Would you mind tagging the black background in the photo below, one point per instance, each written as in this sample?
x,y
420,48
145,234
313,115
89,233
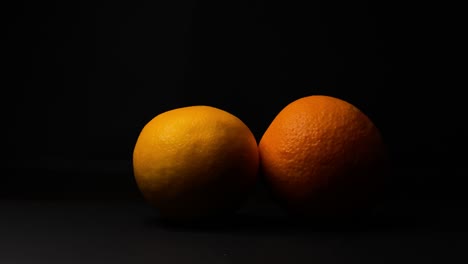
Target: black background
x,y
83,78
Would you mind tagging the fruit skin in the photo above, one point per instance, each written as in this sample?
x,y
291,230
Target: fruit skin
x,y
195,162
323,157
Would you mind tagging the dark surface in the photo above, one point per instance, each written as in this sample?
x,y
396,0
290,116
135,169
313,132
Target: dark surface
x,y
123,231
73,226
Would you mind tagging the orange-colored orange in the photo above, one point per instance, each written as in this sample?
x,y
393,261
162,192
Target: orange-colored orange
x,y
322,156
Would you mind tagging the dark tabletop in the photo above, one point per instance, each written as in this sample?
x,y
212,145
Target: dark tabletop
x,y
129,231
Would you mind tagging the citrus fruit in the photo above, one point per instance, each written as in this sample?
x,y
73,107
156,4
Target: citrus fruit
x,y
321,156
194,162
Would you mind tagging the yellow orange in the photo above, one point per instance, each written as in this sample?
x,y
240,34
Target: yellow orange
x,y
195,161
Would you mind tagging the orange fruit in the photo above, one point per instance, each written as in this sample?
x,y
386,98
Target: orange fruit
x,y
194,162
321,156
